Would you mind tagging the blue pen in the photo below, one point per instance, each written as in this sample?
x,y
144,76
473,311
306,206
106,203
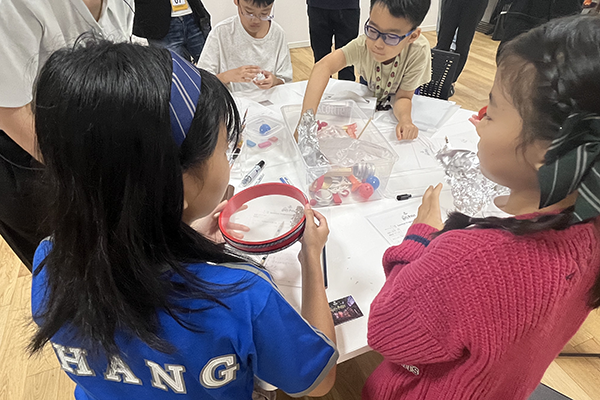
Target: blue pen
x,y
284,179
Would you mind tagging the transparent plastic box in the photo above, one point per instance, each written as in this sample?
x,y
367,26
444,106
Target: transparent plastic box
x,y
347,181
262,133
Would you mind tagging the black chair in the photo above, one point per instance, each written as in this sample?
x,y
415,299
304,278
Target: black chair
x,y
443,70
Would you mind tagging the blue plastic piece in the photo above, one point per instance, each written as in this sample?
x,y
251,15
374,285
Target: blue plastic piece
x,y
264,128
373,181
250,143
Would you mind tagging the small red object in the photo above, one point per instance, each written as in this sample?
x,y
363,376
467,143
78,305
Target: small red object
x,y
482,112
365,190
337,199
351,130
313,202
321,125
355,183
317,184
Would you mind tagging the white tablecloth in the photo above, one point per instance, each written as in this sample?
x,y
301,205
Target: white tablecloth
x,y
355,247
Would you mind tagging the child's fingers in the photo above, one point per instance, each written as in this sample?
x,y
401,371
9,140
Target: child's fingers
x,y
310,216
435,196
237,235
237,227
322,220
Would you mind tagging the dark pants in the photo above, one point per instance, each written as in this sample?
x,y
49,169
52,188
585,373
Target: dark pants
x,y
184,38
463,15
324,24
21,207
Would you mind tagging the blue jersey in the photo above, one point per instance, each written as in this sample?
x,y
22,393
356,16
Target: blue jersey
x,y
259,335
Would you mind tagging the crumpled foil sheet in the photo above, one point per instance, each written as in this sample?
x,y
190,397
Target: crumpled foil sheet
x,y
471,190
308,143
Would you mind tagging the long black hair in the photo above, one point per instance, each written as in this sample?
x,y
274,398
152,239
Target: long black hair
x,y
114,175
549,73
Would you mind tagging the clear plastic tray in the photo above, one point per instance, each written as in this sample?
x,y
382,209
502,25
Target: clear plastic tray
x,y
341,183
262,134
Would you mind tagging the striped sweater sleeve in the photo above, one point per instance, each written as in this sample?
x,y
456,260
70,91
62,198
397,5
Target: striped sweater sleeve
x,y
413,320
416,240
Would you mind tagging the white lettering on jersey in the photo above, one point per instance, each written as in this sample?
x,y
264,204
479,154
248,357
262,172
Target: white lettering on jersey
x,y
411,368
118,368
73,355
173,378
208,376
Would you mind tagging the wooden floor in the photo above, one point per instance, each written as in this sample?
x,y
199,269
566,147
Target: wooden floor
x,y
41,379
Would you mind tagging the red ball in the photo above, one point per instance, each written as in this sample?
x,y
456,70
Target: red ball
x,y
365,190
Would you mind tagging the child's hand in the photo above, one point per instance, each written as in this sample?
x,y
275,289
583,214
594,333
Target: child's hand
x,y
209,226
315,236
429,210
268,82
242,74
406,131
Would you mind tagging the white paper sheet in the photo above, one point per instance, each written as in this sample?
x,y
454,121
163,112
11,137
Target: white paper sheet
x,y
392,224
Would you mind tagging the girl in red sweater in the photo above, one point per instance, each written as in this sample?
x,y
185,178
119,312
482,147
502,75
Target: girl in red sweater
x,y
477,308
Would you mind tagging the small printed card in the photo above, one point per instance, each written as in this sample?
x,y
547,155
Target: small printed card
x,y
344,310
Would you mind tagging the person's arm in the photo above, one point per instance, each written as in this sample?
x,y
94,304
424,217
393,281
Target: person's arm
x,y
18,124
319,77
315,306
405,130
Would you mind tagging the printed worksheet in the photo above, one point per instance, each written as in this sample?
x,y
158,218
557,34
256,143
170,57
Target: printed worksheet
x,y
392,224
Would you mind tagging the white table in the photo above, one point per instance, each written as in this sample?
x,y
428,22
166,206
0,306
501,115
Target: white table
x,y
355,247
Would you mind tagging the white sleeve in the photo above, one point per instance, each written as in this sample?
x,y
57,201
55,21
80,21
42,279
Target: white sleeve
x,y
210,58
21,34
284,61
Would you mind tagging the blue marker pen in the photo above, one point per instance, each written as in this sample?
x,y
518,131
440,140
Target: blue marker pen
x,y
284,179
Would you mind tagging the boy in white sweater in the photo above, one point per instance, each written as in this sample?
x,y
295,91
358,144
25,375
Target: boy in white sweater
x,y
248,50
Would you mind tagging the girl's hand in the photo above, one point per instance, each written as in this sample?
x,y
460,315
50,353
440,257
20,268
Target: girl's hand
x,y
209,226
315,236
429,210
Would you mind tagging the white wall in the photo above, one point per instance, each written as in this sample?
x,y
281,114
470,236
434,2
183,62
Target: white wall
x,y
291,15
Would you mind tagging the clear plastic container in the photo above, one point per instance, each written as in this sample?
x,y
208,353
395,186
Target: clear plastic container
x,y
354,179
262,134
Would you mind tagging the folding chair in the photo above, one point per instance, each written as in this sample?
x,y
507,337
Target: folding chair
x,y
443,69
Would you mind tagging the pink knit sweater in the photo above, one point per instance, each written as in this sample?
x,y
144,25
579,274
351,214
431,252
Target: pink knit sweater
x,y
478,313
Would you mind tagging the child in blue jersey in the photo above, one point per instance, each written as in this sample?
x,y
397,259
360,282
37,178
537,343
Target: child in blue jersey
x,y
135,303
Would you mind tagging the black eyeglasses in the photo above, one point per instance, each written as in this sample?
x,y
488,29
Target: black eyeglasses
x,y
388,38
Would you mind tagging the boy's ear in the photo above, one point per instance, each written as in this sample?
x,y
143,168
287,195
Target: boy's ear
x,y
413,36
236,3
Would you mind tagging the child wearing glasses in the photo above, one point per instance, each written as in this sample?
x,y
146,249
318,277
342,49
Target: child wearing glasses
x,y
392,58
248,50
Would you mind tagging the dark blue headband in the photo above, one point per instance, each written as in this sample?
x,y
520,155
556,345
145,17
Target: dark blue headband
x,y
185,92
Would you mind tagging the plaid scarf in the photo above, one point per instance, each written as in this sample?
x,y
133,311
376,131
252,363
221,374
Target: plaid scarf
x,y
573,163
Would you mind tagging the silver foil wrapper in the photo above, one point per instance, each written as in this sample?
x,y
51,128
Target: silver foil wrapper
x,y
308,143
471,190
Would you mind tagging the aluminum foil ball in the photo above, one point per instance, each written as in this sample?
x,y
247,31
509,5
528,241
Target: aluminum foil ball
x,y
471,190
